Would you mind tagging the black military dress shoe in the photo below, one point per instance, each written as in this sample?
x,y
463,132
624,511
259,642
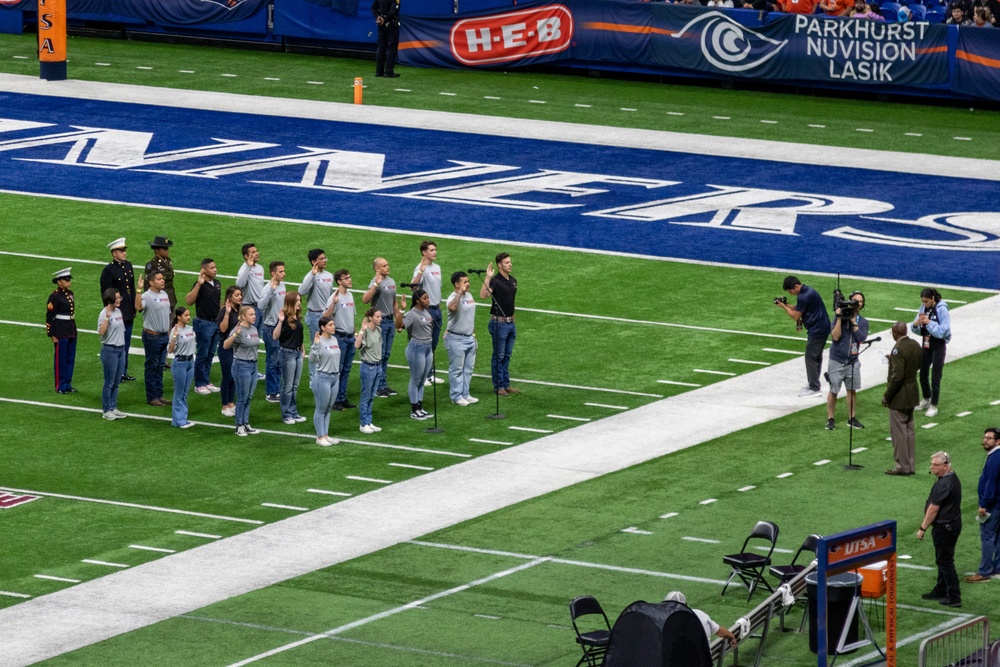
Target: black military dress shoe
x,y
128,378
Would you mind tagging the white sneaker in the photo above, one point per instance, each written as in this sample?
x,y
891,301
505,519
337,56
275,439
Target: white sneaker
x,y
288,420
119,414
241,431
323,441
427,382
367,429
374,428
299,419
924,404
932,411
437,380
187,424
228,412
110,415
470,399
204,391
809,393
212,388
250,430
461,402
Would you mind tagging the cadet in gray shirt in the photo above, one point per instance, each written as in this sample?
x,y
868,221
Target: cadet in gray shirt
x,y
420,326
341,308
382,294
183,345
111,327
324,357
154,304
460,340
244,342
272,298
315,291
369,344
427,274
250,277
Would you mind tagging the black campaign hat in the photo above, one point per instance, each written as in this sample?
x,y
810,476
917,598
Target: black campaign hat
x,y
161,242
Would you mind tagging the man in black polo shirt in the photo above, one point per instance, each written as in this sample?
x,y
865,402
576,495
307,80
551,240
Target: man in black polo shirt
x,y
943,511
502,287
205,296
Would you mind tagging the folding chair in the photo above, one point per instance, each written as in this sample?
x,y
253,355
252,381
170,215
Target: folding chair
x,y
749,566
786,573
593,642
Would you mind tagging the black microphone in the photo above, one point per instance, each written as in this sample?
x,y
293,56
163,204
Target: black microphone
x,y
873,340
476,271
409,284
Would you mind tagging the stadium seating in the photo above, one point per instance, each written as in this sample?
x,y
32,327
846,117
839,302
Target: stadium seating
x,y
919,12
935,16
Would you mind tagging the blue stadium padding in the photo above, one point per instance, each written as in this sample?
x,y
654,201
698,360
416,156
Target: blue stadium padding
x,y
11,21
310,21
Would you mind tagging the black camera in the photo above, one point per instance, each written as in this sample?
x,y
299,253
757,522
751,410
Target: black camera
x,y
780,299
847,308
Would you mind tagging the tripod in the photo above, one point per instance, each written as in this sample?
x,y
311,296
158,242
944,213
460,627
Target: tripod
x,y
434,394
850,436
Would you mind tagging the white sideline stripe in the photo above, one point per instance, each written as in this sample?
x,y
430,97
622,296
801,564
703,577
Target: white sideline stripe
x,y
529,429
750,487
668,515
574,419
821,462
726,373
410,465
229,427
475,550
369,479
929,425
583,106
50,577
858,450
709,501
700,539
784,475
922,568
105,563
994,402
748,361
776,550
487,617
635,530
122,504
907,310
679,384
489,97
15,595
875,319
279,506
774,349
390,612
208,536
491,442
329,493
963,414
609,407
907,640
161,550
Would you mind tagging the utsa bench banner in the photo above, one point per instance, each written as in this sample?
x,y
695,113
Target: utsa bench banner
x,y
696,39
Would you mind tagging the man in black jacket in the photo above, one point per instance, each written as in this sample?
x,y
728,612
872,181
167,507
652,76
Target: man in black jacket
x,y
386,13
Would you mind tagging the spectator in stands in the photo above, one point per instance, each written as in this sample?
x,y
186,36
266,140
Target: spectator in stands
x,y
958,16
720,3
992,5
863,11
982,17
797,6
711,627
836,7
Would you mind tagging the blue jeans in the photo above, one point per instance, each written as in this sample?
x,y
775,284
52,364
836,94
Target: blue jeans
x,y
347,349
324,386
418,356
65,359
989,535
245,376
435,313
370,374
227,388
312,324
156,359
503,335
388,328
128,343
113,361
461,360
291,373
183,374
272,365
207,338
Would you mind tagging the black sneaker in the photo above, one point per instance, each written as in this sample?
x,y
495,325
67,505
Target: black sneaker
x,y
854,423
382,393
951,602
348,405
273,398
933,595
128,378
389,391
831,424
338,406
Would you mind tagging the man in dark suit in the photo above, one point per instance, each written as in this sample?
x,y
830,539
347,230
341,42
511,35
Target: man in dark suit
x,y
901,396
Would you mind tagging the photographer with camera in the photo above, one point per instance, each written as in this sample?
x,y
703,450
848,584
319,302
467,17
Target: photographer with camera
x,y
809,311
849,331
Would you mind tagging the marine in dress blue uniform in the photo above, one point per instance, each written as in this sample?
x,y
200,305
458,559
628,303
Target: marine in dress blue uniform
x,y
60,326
120,275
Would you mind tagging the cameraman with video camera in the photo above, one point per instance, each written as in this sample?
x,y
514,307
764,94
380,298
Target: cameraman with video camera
x,y
809,311
849,331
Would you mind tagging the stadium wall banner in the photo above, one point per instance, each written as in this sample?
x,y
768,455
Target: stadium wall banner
x,y
789,47
173,12
977,63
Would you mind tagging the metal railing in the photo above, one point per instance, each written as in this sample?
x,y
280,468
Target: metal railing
x,y
965,645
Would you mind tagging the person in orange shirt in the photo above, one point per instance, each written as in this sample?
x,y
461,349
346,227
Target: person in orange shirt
x,y
836,7
797,6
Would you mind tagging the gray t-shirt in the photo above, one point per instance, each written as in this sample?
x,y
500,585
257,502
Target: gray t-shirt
x,y
385,294
115,334
271,301
316,290
246,344
184,346
430,282
250,280
463,319
156,311
419,324
325,355
370,349
344,313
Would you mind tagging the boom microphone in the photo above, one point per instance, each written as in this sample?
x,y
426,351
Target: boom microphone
x,y
873,340
475,271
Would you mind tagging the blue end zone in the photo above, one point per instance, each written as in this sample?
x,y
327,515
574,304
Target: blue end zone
x,y
929,229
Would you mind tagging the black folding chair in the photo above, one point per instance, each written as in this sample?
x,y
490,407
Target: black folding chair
x,y
593,642
750,566
786,573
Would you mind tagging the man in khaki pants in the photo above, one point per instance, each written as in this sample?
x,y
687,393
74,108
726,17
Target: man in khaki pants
x,y
901,396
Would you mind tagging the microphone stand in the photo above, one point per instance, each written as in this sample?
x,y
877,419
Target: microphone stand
x,y
496,391
850,436
434,390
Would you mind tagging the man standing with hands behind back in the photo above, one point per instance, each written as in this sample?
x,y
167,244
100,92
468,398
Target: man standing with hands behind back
x,y
386,13
988,514
901,396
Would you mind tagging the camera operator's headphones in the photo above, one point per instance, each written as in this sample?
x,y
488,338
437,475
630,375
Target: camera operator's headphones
x,y
855,293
